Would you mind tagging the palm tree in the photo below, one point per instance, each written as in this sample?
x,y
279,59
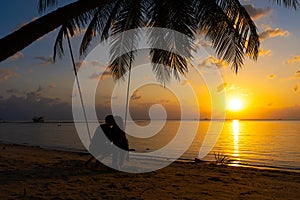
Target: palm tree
x,y
225,23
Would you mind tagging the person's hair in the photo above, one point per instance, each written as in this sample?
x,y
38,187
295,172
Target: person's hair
x,y
109,119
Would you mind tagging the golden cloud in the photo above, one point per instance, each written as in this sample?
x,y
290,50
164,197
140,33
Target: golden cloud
x,y
297,74
44,61
6,74
294,59
17,56
102,75
271,33
211,60
263,52
272,76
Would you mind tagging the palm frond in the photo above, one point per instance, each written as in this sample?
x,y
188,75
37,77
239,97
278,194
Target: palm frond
x,y
58,45
122,50
100,24
176,16
288,3
229,27
72,27
44,4
104,33
120,65
167,64
90,33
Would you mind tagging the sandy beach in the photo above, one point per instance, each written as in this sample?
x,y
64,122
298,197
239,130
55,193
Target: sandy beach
x,y
36,173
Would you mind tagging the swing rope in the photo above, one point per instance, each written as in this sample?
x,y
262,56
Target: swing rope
x,y
80,93
78,85
127,95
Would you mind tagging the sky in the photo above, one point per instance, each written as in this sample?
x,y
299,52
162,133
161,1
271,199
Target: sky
x,y
269,88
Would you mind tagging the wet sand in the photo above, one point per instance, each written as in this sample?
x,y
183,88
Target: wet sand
x,y
35,173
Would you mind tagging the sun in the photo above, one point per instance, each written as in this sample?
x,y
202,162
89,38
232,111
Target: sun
x,y
235,104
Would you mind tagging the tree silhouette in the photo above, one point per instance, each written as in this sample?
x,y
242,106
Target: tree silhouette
x,y
225,23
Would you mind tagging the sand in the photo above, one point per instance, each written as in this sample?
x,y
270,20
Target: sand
x,y
36,173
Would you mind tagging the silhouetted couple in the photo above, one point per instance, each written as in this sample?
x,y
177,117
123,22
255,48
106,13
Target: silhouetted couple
x,y
108,139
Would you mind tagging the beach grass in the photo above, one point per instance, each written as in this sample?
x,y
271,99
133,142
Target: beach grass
x,y
221,159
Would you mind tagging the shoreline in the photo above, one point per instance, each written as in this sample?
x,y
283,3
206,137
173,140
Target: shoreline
x,y
37,173
185,160
201,119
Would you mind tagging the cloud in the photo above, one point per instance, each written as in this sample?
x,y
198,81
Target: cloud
x,y
203,42
295,59
229,87
95,76
96,63
262,52
222,87
6,74
46,89
17,56
292,112
44,60
105,75
271,33
34,104
297,74
272,76
211,60
81,63
102,75
14,91
136,95
257,13
38,92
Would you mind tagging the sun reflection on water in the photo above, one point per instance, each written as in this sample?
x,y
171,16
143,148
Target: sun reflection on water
x,y
236,132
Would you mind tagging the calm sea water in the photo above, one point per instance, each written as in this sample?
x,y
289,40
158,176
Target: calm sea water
x,y
254,143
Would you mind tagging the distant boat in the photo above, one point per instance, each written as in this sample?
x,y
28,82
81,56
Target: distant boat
x,y
38,119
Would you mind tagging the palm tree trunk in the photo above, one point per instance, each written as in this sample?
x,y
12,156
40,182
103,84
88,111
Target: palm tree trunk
x,y
21,38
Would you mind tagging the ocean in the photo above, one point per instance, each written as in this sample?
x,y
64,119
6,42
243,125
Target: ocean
x,y
259,143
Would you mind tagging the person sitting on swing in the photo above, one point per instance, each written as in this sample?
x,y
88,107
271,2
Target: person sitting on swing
x,y
100,145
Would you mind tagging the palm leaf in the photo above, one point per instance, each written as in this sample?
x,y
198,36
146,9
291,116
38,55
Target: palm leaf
x,y
122,50
44,4
288,3
176,16
230,29
225,23
100,24
72,27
